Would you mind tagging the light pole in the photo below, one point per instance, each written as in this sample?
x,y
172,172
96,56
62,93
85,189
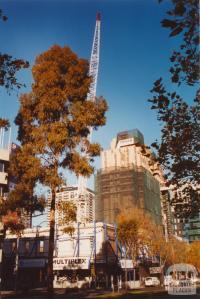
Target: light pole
x,y
2,237
38,226
17,262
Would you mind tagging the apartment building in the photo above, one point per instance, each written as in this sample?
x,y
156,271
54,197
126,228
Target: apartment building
x,y
4,162
85,204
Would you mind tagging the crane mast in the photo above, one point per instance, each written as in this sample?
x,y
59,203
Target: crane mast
x,y
93,73
94,60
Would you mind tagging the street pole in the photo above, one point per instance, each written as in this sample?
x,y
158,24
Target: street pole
x,y
125,270
1,251
17,263
2,238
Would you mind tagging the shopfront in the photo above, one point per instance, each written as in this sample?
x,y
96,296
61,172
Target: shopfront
x,y
32,273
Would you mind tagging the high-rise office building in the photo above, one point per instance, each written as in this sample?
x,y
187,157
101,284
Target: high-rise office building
x,y
129,177
191,230
185,226
84,204
167,211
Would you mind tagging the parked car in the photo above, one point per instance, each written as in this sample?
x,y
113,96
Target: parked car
x,y
195,280
151,281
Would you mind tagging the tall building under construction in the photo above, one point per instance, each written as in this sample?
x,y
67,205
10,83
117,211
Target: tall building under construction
x,y
129,177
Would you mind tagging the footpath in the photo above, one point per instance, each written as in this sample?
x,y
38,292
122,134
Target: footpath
x,y
147,293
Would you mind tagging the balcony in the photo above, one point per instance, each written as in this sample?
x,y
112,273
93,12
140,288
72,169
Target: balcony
x,y
3,178
4,154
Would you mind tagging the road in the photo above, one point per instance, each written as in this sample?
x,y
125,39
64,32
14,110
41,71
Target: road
x,y
146,293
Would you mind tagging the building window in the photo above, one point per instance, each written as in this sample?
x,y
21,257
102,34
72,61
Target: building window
x,y
1,166
13,246
41,246
27,246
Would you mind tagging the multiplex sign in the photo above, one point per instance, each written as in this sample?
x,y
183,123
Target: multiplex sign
x,y
71,263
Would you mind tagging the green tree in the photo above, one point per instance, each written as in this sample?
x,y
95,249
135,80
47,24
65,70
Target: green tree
x,y
54,120
183,20
179,149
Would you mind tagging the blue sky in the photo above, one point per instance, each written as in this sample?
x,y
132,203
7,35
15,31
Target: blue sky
x,y
134,52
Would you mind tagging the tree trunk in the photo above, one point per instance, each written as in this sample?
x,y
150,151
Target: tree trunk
x,y
50,275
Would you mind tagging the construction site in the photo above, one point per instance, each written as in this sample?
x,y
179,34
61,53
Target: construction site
x,y
129,177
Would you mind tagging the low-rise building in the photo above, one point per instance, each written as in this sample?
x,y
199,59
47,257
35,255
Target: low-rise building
x,y
88,256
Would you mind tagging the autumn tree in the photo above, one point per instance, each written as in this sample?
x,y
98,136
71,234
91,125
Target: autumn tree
x,y
194,254
142,237
21,199
26,172
138,233
144,240
179,148
20,202
54,121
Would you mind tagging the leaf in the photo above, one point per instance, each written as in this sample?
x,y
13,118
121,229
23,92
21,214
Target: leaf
x,y
176,31
169,23
180,8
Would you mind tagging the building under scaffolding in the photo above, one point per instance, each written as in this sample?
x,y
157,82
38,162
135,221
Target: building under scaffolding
x,y
129,177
